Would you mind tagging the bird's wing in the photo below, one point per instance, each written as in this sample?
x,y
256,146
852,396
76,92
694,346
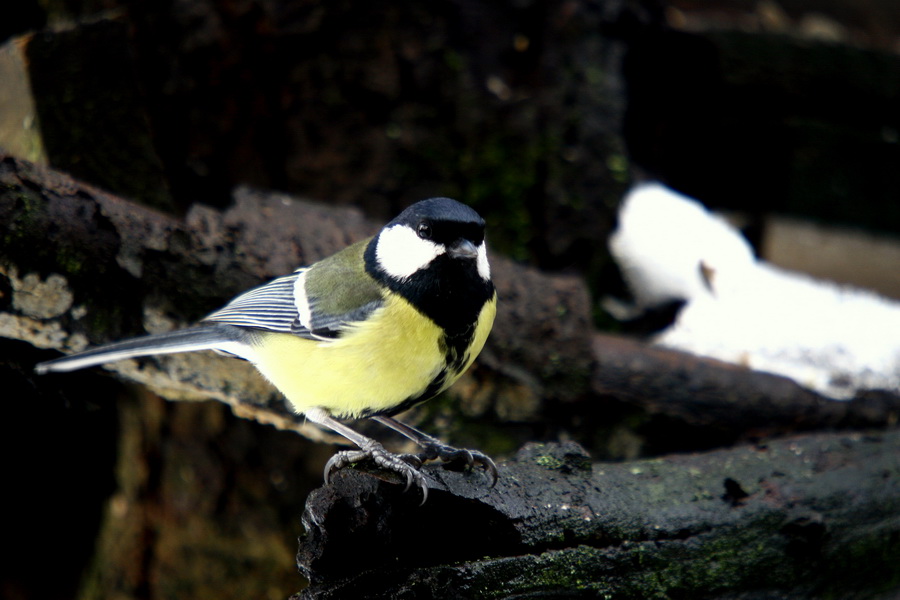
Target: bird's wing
x,y
330,315
315,303
271,306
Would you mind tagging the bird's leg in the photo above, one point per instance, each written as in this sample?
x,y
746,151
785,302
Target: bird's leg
x,y
434,448
368,449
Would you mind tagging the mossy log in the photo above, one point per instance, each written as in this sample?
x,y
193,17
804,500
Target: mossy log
x,y
805,517
81,266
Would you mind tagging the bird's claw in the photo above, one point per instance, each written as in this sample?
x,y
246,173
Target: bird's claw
x,y
414,460
404,465
470,458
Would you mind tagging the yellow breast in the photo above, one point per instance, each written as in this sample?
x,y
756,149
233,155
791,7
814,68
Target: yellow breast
x,y
374,367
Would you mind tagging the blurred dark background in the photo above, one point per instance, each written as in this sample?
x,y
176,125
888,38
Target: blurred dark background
x,y
539,114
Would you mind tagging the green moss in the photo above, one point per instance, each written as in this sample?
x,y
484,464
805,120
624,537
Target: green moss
x,y
568,570
453,60
21,213
709,565
862,561
500,174
70,263
549,462
619,167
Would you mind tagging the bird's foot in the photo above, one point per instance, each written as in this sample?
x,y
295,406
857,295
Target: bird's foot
x,y
448,454
405,465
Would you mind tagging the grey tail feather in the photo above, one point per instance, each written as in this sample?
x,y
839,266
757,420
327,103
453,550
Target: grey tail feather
x,y
204,337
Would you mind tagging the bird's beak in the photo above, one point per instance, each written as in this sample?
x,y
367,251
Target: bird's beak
x,y
462,249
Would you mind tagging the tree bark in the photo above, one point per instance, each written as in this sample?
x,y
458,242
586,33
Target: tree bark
x,y
803,517
83,266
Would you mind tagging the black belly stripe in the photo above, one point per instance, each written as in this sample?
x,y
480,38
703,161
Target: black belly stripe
x,y
452,294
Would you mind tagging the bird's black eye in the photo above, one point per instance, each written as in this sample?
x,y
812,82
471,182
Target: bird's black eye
x,y
424,231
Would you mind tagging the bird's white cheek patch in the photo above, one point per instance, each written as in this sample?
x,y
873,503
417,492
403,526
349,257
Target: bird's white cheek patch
x,y
484,268
401,252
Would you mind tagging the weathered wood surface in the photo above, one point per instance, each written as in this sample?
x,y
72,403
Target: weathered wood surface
x,y
104,268
537,111
804,517
736,401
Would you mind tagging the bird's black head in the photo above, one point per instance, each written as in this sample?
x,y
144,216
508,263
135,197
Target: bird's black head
x,y
434,255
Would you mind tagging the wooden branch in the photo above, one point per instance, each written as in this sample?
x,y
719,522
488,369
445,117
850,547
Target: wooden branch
x,y
105,268
83,267
703,392
812,516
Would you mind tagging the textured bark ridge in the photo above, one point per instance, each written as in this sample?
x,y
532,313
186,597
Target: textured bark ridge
x,y
810,516
104,268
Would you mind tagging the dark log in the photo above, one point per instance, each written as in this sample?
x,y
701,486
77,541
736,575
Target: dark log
x,y
520,108
707,393
167,271
105,268
804,517
800,517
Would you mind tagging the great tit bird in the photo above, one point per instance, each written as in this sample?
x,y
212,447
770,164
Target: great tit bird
x,y
368,332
